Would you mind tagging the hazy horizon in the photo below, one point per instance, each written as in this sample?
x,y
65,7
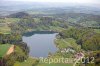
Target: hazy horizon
x,y
54,2
60,1
83,6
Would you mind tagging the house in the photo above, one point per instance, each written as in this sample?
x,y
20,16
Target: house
x,y
69,49
5,50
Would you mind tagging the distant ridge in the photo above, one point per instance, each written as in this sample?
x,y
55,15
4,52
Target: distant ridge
x,y
19,15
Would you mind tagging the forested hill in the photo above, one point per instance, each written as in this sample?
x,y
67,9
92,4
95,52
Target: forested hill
x,y
23,21
18,15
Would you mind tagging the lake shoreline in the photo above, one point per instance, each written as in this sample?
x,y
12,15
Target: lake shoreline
x,y
40,42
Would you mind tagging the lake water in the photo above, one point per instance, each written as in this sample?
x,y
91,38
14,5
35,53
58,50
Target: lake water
x,y
40,43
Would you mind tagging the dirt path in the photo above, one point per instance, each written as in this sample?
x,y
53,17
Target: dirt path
x,y
11,49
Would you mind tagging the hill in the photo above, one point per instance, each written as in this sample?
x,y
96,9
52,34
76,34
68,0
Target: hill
x,y
19,15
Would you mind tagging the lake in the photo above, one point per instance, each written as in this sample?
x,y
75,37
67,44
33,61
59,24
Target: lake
x,y
40,43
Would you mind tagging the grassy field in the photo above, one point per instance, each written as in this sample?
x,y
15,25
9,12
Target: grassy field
x,y
56,28
68,42
5,29
97,30
60,64
3,49
9,20
28,62
4,24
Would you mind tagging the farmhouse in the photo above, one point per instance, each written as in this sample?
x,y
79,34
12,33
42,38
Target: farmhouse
x,y
5,50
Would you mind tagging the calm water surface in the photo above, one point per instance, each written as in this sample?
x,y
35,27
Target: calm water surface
x,y
40,43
